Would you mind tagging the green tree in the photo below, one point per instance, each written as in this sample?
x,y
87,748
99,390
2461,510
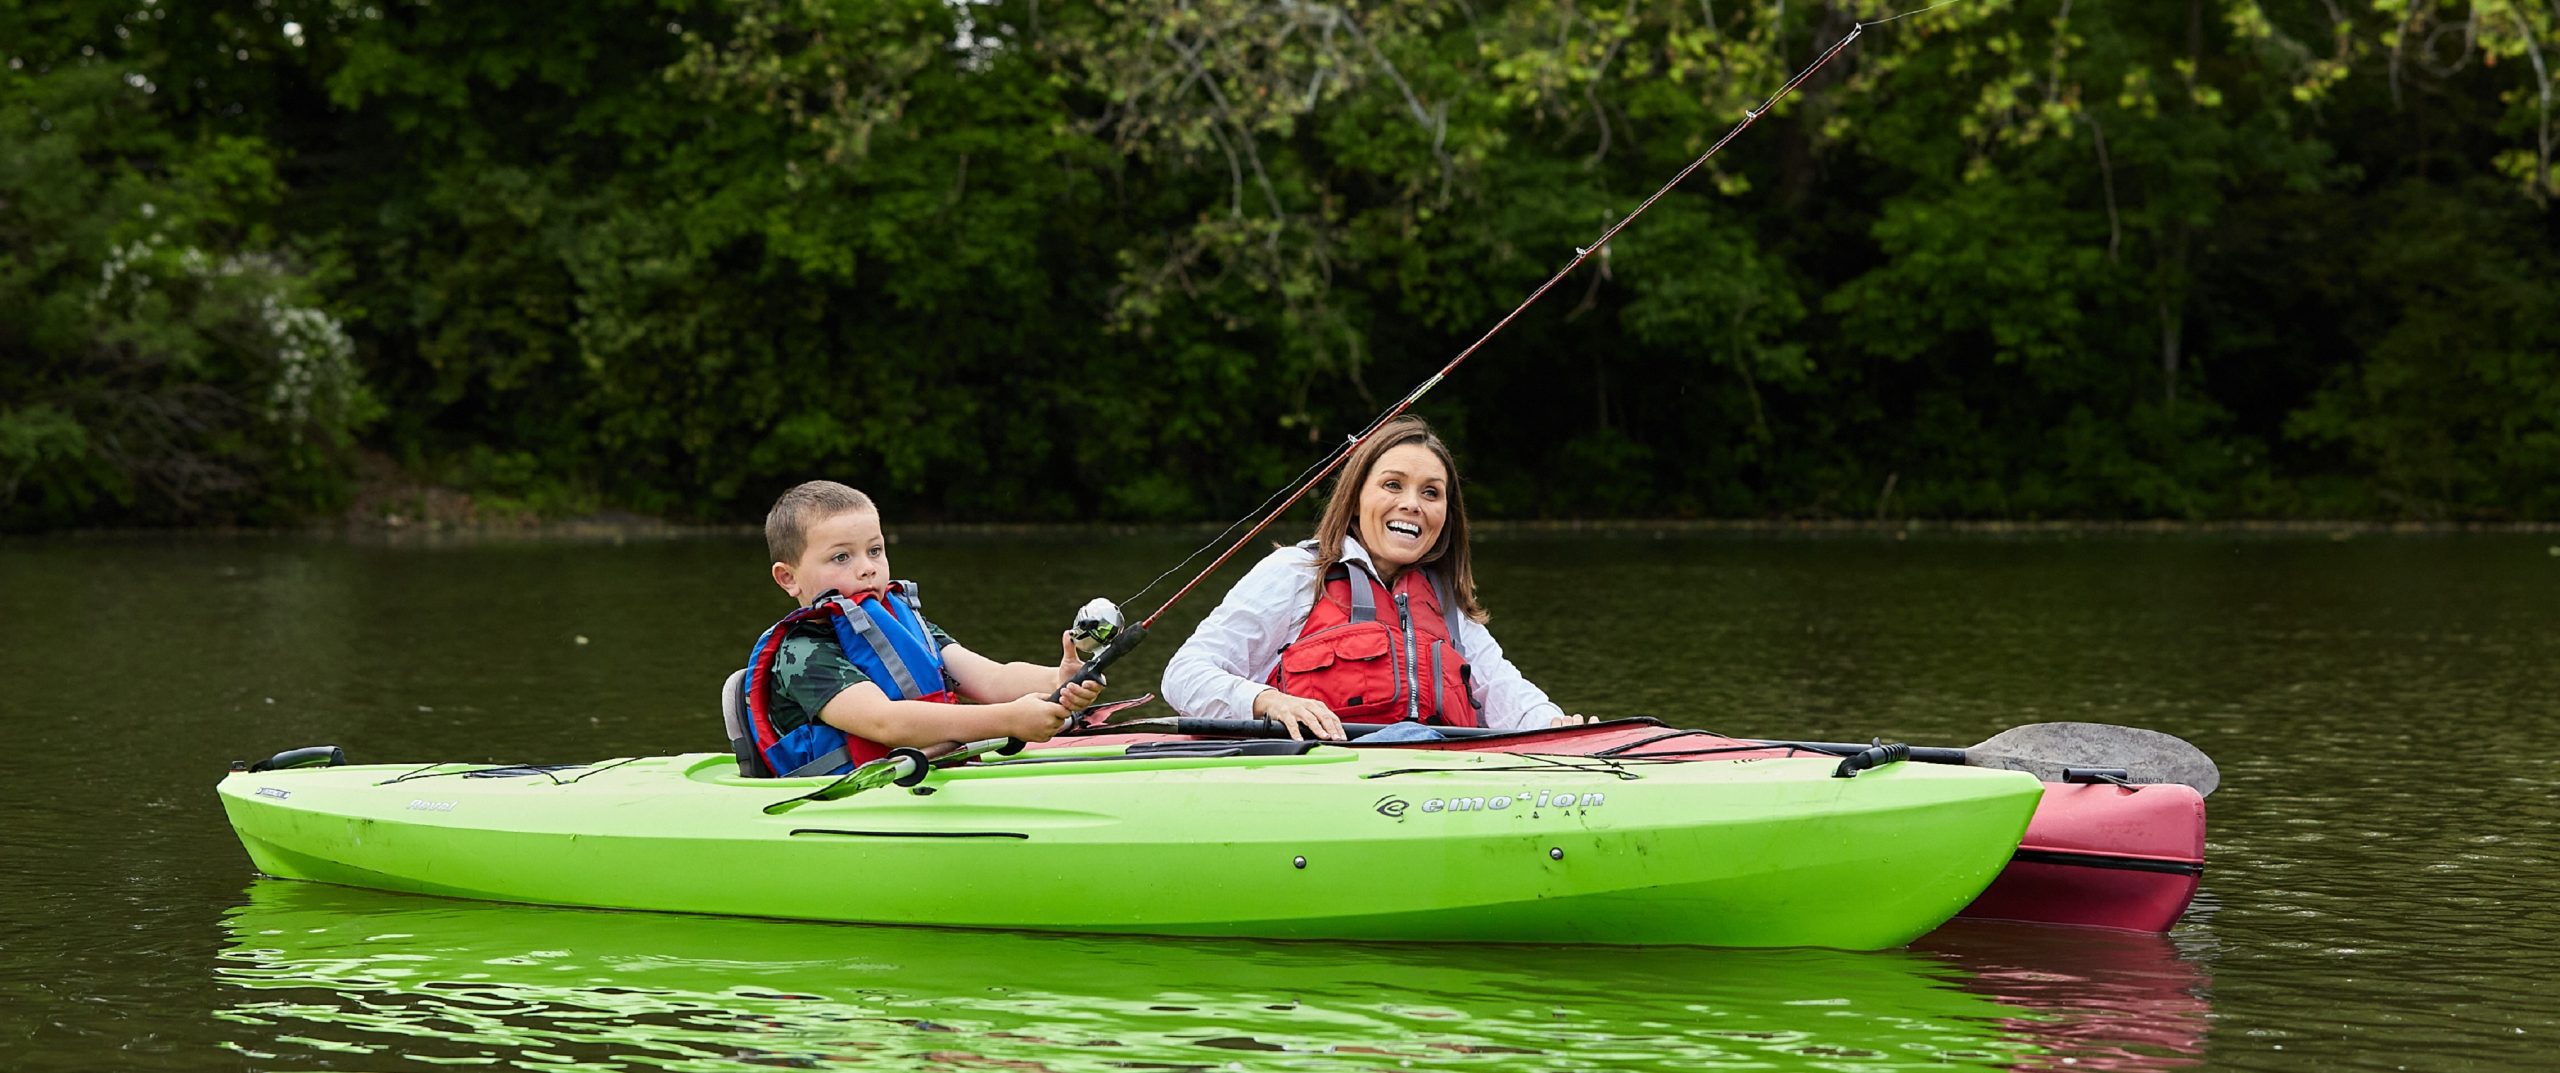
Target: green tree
x,y
164,356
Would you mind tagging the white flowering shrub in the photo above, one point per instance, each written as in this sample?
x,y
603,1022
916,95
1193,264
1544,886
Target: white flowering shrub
x,y
300,352
162,359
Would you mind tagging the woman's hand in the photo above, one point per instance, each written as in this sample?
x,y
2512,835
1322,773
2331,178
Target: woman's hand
x,y
1293,713
1570,720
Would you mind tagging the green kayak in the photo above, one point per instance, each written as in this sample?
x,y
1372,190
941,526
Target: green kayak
x,y
1271,840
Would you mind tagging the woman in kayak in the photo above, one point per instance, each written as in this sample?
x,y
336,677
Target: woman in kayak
x,y
1375,619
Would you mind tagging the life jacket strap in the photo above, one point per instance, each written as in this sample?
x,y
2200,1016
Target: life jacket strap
x,y
1448,609
1435,673
1364,602
1364,598
1449,615
871,635
826,762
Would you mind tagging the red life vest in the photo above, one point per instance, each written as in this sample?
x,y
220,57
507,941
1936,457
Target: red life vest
x,y
1375,653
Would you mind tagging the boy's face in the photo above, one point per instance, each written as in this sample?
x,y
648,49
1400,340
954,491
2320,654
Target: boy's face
x,y
845,553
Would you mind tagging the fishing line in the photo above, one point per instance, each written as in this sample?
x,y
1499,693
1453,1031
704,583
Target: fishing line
x,y
1908,14
1326,461
1121,639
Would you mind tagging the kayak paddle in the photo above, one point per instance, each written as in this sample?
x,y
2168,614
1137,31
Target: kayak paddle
x,y
903,766
1106,712
2052,752
2073,752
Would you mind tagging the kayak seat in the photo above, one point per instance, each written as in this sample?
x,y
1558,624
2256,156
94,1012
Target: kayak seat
x,y
733,716
1275,747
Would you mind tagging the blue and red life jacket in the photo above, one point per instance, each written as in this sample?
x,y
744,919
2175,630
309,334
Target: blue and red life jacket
x,y
885,639
1379,653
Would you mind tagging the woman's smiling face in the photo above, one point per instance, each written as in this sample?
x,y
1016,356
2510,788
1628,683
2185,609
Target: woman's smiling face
x,y
1403,502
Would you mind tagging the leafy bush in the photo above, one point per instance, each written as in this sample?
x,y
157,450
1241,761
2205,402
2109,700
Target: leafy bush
x,y
176,361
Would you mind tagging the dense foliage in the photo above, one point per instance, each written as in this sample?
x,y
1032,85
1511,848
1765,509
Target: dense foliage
x,y
1145,259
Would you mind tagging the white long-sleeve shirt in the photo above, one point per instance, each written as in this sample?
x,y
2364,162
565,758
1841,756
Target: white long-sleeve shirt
x,y
1228,661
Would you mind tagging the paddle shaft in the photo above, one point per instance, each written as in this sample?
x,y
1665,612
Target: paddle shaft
x,y
903,766
1265,728
1927,754
2052,752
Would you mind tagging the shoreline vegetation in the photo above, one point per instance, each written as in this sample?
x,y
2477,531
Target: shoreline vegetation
x,y
478,264
448,516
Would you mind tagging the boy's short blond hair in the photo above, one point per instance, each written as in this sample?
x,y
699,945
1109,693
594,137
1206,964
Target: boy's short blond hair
x,y
786,526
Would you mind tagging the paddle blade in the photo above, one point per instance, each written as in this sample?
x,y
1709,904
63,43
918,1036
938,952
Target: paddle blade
x,y
2146,756
1110,713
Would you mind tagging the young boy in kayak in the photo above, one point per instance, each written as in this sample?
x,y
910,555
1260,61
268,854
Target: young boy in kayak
x,y
857,670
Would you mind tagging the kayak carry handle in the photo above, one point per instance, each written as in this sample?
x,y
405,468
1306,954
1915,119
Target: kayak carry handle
x,y
1876,755
307,756
2115,775
1119,646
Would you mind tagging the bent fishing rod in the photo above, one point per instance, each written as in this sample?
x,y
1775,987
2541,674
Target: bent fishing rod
x,y
1100,631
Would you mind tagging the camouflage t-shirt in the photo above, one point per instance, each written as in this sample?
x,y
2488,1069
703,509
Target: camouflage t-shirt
x,y
810,669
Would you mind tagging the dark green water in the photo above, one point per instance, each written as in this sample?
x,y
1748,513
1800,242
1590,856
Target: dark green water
x,y
2383,891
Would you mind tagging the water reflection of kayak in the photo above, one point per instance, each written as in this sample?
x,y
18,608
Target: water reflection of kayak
x,y
1231,839
323,973
2105,1000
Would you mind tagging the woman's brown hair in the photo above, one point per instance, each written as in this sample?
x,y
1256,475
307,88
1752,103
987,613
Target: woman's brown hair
x,y
1448,555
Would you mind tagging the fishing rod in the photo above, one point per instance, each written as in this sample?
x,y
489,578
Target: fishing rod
x,y
1101,633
